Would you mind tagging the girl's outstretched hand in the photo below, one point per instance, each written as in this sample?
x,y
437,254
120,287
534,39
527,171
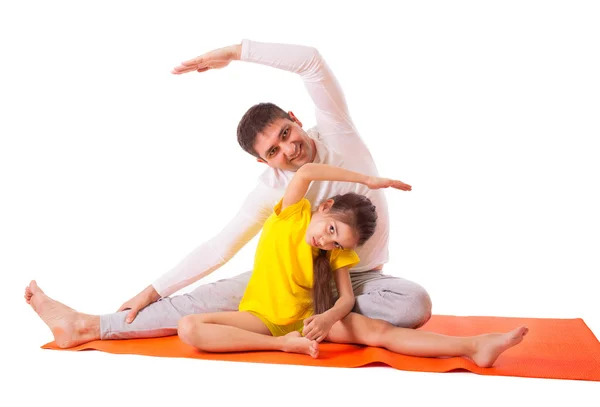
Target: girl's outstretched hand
x,y
377,183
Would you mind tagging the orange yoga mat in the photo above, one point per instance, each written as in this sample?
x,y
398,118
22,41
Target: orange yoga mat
x,y
554,348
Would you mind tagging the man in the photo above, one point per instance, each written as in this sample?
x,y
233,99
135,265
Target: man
x,y
275,138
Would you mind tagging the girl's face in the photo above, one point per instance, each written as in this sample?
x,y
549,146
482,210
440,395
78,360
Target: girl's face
x,y
326,232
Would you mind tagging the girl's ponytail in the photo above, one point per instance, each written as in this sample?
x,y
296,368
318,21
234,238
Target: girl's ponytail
x,y
322,294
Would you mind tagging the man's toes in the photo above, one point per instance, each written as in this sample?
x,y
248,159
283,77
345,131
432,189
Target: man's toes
x,y
27,295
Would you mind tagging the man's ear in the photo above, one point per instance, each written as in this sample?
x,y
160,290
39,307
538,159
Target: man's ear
x,y
260,160
326,206
294,118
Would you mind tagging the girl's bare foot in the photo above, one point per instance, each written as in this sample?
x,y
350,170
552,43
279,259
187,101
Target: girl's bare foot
x,y
488,347
296,343
69,327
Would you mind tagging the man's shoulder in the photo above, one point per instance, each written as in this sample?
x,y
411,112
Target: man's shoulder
x,y
313,132
346,144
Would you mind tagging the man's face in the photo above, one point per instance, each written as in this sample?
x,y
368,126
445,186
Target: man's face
x,y
284,145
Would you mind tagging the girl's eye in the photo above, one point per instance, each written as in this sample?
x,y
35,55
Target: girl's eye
x,y
337,246
331,229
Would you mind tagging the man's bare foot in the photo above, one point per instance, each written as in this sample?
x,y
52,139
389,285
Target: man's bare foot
x,y
69,327
488,347
296,343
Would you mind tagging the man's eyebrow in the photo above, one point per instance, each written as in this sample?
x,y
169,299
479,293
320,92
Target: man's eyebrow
x,y
279,137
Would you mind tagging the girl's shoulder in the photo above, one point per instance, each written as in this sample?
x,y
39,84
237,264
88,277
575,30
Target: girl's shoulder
x,y
300,209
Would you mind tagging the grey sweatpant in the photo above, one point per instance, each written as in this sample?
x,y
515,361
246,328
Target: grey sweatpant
x,y
393,299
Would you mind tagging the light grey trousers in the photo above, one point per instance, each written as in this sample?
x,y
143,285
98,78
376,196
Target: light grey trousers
x,y
396,300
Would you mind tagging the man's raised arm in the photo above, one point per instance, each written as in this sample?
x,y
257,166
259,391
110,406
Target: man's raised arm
x,y
331,109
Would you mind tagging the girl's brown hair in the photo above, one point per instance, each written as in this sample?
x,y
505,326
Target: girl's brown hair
x,y
358,212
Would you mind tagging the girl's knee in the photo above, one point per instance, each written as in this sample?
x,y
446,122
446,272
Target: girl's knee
x,y
376,333
188,328
185,328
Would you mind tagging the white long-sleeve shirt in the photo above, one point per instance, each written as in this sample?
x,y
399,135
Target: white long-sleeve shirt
x,y
337,143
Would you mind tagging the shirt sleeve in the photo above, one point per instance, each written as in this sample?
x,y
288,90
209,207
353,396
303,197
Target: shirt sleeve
x,y
343,258
212,254
295,211
331,110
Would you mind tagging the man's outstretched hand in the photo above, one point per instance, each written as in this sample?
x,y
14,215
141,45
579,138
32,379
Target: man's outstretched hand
x,y
216,59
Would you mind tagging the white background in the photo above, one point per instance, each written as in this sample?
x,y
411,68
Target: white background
x,y
113,169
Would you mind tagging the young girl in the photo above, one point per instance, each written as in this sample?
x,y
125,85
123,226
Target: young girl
x,y
288,304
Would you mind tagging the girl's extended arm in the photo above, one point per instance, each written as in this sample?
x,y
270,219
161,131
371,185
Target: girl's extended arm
x,y
299,184
345,302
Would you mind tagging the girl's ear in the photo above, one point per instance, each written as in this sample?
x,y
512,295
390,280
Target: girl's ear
x,y
326,206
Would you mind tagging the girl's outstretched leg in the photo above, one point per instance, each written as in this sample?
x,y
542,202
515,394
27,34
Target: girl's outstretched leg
x,y
237,332
482,349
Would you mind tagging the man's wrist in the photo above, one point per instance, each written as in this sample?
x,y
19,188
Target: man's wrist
x,y
236,52
152,293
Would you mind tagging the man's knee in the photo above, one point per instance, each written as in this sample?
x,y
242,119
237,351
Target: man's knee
x,y
403,308
420,309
